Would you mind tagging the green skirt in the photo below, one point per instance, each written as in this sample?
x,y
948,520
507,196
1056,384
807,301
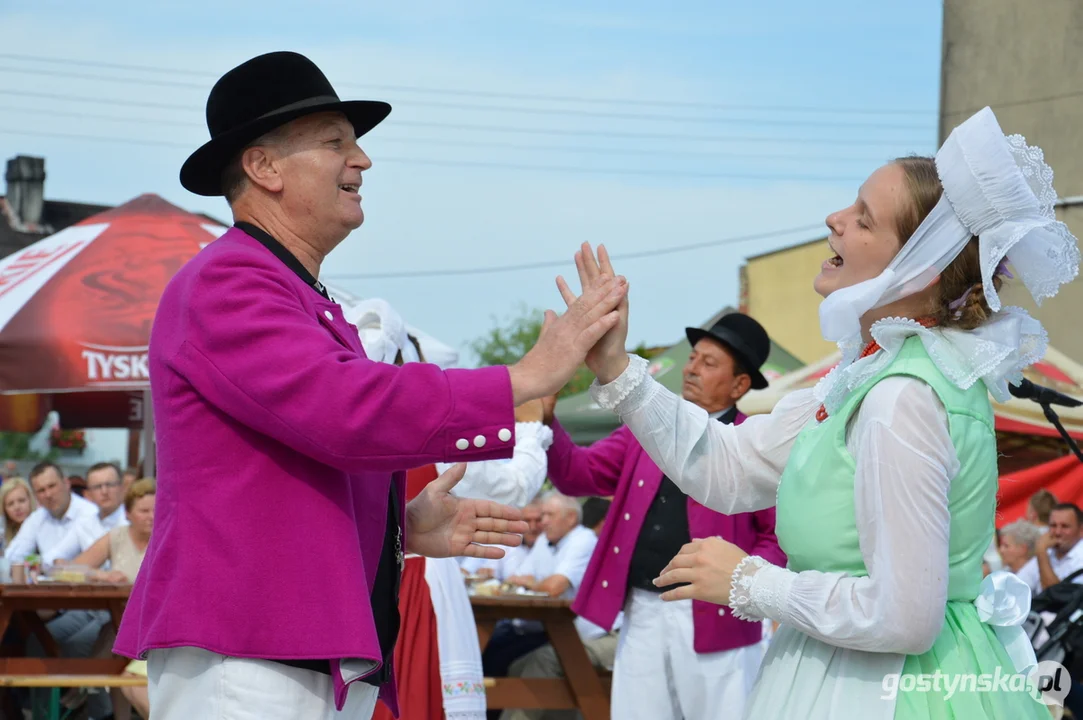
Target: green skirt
x,y
966,675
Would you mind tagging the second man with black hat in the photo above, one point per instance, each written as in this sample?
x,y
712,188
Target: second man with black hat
x,y
685,659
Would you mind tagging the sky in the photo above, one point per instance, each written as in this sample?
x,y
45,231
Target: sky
x,y
518,131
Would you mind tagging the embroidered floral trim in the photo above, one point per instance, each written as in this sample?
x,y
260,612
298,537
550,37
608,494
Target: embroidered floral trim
x,y
611,395
741,601
460,689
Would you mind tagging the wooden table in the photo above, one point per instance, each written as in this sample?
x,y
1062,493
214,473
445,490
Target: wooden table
x,y
581,687
21,603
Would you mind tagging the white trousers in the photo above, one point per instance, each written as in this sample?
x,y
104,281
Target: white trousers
x,y
188,683
659,676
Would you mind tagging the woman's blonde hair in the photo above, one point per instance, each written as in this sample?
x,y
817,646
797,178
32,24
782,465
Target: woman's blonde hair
x,y
961,296
8,485
139,490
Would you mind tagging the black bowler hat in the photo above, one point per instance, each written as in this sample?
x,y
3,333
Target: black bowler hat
x,y
256,97
744,338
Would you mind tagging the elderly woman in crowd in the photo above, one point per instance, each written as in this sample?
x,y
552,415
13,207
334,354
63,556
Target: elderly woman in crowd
x,y
1019,544
17,500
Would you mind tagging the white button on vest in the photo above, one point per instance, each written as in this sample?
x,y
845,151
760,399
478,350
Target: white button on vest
x,y
504,435
627,516
327,314
462,443
479,441
721,611
616,550
640,483
605,583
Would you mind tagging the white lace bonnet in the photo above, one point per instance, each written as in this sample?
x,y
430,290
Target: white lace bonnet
x,y
995,187
999,189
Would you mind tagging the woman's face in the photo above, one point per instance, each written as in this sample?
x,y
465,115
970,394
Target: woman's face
x,y
17,505
1014,554
141,516
863,237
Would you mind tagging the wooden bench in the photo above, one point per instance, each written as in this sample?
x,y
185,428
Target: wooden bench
x,y
55,682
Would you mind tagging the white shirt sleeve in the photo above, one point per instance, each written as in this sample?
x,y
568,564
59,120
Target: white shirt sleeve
x,y
728,468
905,461
25,541
515,481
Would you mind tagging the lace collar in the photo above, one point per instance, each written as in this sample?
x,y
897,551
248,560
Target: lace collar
x,y
995,353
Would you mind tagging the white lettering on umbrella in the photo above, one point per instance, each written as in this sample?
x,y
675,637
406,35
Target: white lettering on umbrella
x,y
107,365
24,273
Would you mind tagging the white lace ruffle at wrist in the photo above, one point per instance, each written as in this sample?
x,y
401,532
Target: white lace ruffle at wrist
x,y
534,429
759,589
628,392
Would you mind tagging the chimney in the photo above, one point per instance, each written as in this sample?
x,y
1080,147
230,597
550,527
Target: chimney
x,y
26,189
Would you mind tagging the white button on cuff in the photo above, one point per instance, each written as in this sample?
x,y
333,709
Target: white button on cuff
x,y
462,443
327,314
721,611
479,441
504,435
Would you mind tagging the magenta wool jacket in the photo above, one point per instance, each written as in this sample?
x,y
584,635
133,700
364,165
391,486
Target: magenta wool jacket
x,y
618,466
278,446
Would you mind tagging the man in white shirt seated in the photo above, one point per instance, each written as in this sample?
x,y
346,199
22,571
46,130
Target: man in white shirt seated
x,y
104,487
1059,551
58,511
555,566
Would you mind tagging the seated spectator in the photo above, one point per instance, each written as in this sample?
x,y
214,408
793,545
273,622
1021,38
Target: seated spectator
x,y
59,511
601,646
17,501
1039,507
1018,545
123,549
555,566
104,489
75,631
1059,552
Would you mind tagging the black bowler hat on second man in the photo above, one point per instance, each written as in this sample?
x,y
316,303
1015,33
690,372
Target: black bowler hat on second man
x,y
258,96
744,338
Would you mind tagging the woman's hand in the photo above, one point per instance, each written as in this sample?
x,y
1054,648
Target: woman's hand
x,y
566,340
609,356
707,566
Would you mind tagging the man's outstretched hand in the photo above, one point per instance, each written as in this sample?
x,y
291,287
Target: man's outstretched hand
x,y
438,524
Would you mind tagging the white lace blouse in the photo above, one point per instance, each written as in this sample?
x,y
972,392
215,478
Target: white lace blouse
x,y
905,461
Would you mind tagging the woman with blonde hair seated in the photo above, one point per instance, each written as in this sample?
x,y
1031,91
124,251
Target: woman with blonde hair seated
x,y
17,501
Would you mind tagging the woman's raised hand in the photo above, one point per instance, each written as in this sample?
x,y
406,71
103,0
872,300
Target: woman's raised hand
x,y
608,358
566,340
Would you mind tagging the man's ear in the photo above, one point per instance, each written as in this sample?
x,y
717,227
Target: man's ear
x,y
260,166
741,385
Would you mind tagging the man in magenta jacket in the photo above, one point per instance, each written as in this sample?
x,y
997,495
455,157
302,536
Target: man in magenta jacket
x,y
269,588
679,660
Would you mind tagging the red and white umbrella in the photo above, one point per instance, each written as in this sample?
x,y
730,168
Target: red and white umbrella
x,y
76,308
